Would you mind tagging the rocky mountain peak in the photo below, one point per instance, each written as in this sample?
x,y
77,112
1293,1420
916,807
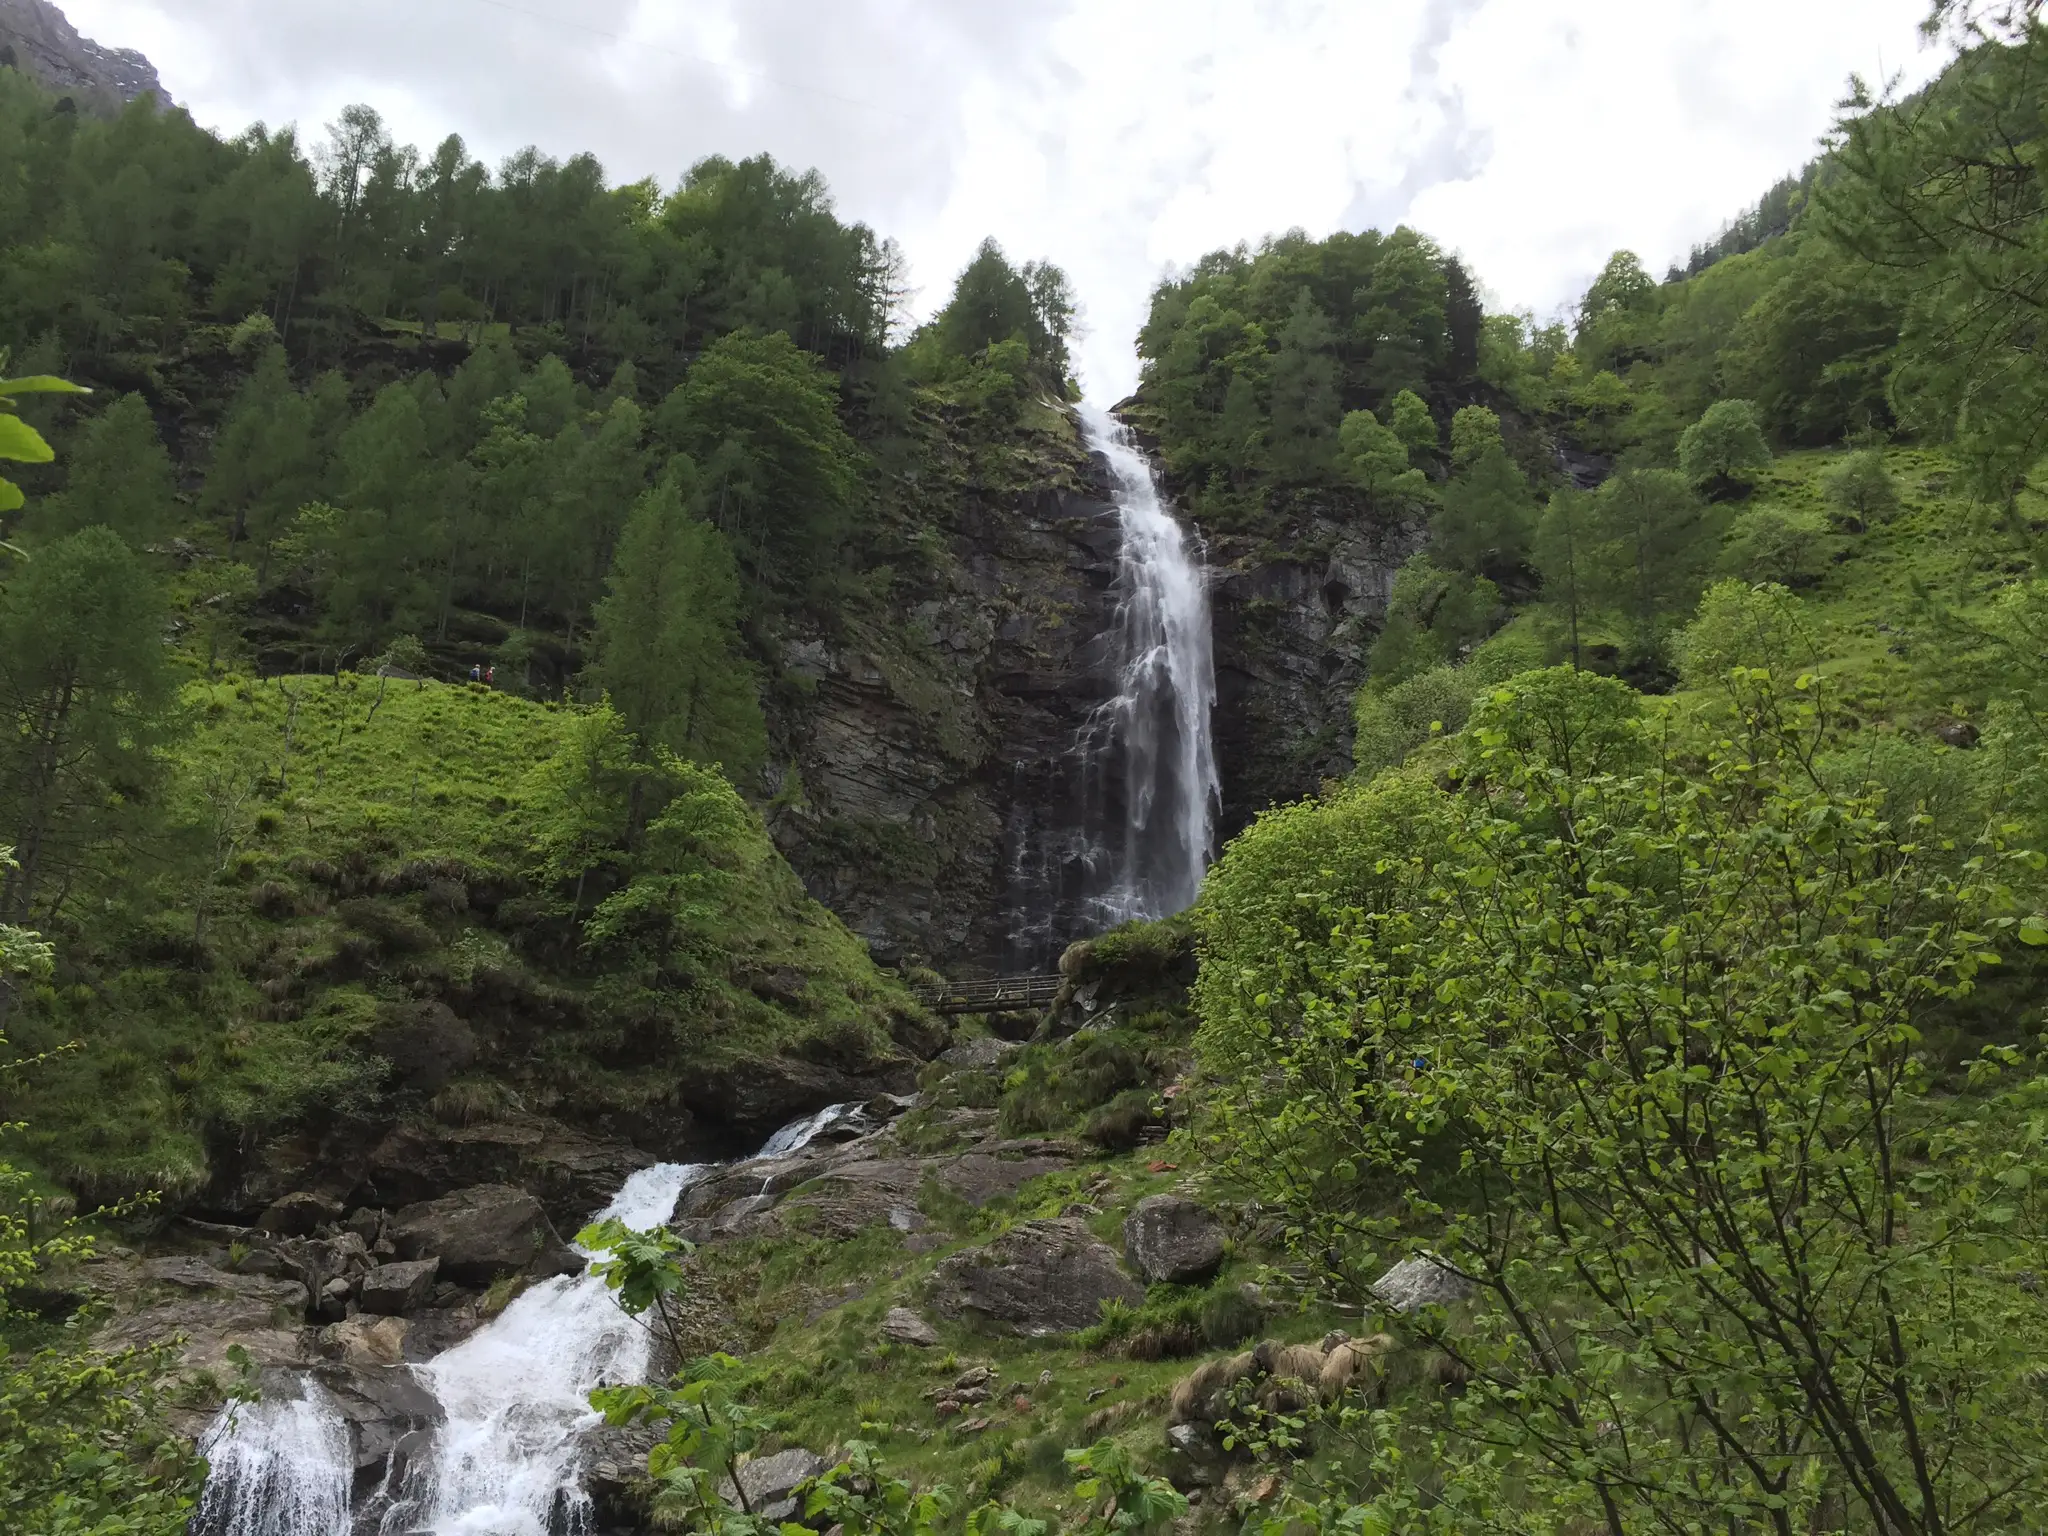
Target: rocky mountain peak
x,y
37,37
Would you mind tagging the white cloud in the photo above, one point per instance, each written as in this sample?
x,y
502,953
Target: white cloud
x,y
1117,137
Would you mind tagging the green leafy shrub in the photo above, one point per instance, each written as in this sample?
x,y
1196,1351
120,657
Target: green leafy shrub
x,y
1724,452
1052,1087
1120,1124
1389,723
1862,490
1640,1052
1740,625
1783,544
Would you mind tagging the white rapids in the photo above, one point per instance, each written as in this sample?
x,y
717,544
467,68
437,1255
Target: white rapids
x,y
516,1394
1151,750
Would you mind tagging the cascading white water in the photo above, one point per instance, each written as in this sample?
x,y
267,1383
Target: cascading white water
x,y
1151,751
279,1467
516,1394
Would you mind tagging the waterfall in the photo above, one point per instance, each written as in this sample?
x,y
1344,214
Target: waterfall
x,y
279,1467
516,1398
1149,755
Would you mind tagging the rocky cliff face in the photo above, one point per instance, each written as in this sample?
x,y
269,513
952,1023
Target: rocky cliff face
x,y
936,803
1294,618
36,37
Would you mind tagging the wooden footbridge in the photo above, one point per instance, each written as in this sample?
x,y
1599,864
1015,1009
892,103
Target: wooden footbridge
x,y
994,994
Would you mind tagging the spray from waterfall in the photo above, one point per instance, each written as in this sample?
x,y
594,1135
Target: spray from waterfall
x,y
1152,783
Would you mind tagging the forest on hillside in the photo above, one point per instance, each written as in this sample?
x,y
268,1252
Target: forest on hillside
x,y
1665,970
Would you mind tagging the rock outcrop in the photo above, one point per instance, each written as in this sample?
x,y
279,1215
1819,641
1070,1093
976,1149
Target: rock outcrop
x,y
942,809
1293,619
393,1290
1171,1239
1040,1277
36,36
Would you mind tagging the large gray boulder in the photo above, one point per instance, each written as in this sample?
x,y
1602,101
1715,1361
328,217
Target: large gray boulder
x,y
770,1482
1421,1282
393,1290
1039,1277
364,1340
1171,1238
904,1326
484,1233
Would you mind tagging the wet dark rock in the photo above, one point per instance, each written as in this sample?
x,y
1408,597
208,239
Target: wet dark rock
x,y
747,1101
425,1042
382,1403
570,1172
299,1214
395,1290
1174,1240
483,1234
1040,1277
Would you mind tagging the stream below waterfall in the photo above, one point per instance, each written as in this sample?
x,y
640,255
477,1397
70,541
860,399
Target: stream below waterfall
x,y
516,1399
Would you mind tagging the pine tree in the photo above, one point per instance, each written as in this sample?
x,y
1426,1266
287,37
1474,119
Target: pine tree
x,y
120,478
1565,551
1657,542
393,524
1482,523
1305,410
668,645
267,462
86,694
760,420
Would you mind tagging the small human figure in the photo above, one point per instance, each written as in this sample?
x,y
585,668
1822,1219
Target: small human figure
x,y
490,677
476,672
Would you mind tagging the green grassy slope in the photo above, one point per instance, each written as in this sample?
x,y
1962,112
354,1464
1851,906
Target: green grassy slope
x,y
359,854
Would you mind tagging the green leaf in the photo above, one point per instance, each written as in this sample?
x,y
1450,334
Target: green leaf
x,y
40,384
22,442
2033,930
10,495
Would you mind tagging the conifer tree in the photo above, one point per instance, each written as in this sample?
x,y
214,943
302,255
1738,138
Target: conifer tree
x,y
1482,522
1656,548
120,478
1305,409
668,645
760,419
267,462
86,693
1566,551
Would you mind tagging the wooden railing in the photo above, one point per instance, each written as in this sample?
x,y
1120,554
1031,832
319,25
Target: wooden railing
x,y
995,994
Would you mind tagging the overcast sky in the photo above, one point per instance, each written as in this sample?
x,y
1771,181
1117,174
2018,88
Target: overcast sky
x,y
1115,137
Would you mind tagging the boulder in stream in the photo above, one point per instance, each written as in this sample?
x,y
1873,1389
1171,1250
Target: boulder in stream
x,y
483,1233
